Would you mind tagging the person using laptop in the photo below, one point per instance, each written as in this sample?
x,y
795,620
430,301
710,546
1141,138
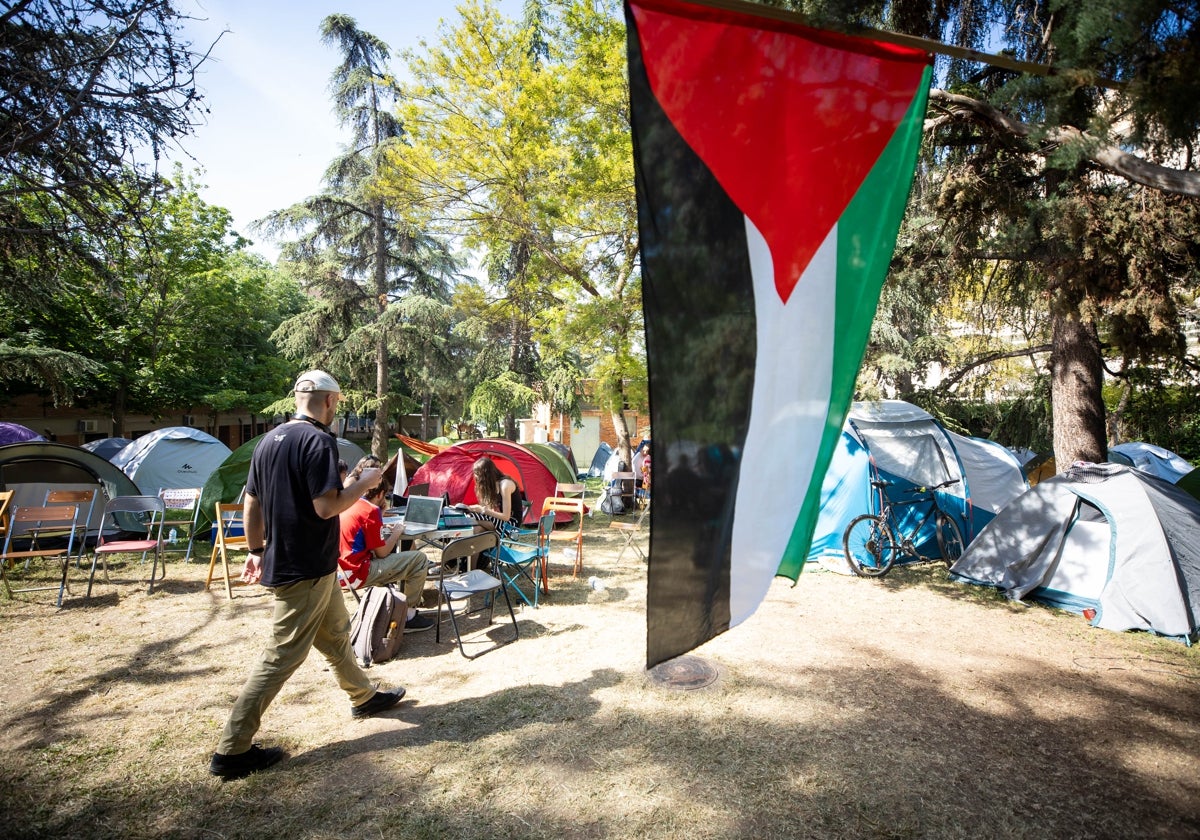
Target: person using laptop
x,y
499,506
370,559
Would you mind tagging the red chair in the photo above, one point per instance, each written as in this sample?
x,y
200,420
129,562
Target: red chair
x,y
131,525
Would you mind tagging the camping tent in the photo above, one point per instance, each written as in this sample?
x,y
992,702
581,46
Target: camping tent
x,y
1190,483
1102,536
30,469
449,473
899,442
1150,458
603,453
107,447
568,455
178,456
554,461
16,433
225,484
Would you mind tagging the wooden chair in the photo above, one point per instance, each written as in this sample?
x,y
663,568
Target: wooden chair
x,y
631,531
29,524
5,500
85,500
136,528
576,507
228,518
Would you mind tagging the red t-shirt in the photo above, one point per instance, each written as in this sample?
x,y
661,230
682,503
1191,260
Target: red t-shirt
x,y
362,533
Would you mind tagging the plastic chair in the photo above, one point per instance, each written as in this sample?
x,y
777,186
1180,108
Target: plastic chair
x,y
516,558
183,517
466,585
228,518
131,517
36,524
576,507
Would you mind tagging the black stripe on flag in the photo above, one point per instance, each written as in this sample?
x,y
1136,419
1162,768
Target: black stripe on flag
x,y
698,304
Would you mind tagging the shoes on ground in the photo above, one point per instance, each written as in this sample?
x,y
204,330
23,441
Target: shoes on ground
x,y
381,701
418,623
243,764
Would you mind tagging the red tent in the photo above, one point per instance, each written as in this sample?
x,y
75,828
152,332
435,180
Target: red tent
x,y
449,472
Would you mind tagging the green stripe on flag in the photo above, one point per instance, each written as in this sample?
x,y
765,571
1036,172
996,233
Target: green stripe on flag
x,y
866,240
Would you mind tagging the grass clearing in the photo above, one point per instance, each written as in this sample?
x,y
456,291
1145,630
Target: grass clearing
x,y
910,706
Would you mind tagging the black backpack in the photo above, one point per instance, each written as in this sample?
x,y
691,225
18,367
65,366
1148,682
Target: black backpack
x,y
377,629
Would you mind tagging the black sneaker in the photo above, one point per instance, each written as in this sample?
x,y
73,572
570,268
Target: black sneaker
x,y
418,623
381,701
243,764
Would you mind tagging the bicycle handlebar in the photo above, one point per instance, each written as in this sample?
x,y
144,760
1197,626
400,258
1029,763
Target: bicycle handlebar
x,y
917,490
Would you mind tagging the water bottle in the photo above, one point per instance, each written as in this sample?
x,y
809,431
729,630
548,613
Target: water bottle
x,y
171,536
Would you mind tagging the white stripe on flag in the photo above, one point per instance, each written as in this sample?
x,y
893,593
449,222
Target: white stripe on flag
x,y
793,370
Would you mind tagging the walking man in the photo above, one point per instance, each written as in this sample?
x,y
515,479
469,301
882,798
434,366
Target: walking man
x,y
293,498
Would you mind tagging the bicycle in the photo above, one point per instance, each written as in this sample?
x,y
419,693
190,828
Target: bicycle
x,y
870,543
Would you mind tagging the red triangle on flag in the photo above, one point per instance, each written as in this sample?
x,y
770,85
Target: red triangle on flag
x,y
789,120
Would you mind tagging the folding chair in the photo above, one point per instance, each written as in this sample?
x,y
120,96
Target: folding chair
x,y
228,518
576,507
5,500
632,531
136,528
183,517
85,500
36,524
515,559
464,586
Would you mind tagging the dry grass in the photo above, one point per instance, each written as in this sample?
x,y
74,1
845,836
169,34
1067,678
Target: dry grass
x,y
907,707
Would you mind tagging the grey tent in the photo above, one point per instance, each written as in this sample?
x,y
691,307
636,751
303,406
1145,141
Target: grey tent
x,y
175,457
1103,537
30,469
107,447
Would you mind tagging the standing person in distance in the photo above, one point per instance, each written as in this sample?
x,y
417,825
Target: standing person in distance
x,y
293,498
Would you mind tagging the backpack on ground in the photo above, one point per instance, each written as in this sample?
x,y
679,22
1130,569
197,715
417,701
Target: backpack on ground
x,y
377,629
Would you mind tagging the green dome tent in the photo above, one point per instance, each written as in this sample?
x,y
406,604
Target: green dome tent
x,y
225,483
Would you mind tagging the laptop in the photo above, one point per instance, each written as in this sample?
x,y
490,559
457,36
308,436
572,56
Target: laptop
x,y
422,514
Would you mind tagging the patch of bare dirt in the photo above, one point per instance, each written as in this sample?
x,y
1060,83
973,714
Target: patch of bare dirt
x,y
911,706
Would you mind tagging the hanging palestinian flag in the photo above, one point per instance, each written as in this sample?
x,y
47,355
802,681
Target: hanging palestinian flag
x,y
773,165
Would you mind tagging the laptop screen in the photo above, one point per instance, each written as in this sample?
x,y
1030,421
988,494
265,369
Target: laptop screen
x,y
423,510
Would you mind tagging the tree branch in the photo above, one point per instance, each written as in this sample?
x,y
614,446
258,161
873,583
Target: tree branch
x,y
950,381
1106,155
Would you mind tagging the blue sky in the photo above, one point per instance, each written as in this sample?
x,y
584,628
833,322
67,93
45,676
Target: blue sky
x,y
271,131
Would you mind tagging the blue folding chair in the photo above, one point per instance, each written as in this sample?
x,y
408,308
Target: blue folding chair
x,y
516,559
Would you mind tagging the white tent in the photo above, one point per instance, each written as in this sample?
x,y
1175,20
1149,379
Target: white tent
x,y
1150,458
899,442
1102,536
178,456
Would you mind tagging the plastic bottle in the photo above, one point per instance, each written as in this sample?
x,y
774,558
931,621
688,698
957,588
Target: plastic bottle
x,y
171,537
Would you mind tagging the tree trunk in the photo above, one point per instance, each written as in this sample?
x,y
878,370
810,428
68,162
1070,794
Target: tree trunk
x,y
379,439
1076,399
426,400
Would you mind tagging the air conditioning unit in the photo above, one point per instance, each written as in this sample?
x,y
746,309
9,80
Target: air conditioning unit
x,y
558,435
88,425
188,420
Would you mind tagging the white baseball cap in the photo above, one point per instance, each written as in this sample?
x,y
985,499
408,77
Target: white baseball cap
x,y
317,380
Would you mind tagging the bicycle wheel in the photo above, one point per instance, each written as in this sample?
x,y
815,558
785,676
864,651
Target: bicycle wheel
x,y
949,537
869,546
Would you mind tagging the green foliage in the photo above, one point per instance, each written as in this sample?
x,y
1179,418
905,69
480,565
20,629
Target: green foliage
x,y
519,141
499,398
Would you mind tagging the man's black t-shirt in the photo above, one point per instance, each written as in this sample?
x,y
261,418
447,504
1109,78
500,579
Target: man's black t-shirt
x,y
291,466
